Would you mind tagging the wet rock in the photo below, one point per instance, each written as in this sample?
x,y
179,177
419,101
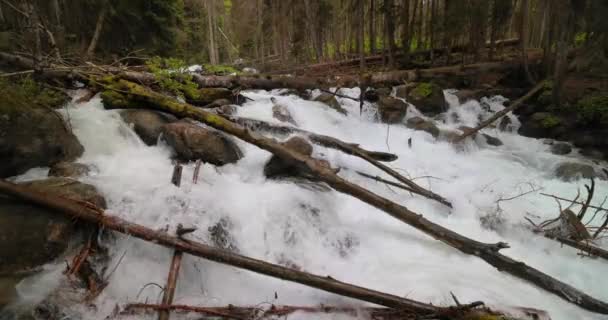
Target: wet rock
x,y
570,171
331,101
221,237
31,236
304,94
147,124
418,123
561,148
281,113
467,94
402,90
69,169
371,95
505,124
428,98
33,137
191,142
226,110
540,125
493,141
383,92
392,110
277,167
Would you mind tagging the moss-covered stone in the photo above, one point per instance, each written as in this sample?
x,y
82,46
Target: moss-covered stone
x,y
550,121
428,98
423,90
593,109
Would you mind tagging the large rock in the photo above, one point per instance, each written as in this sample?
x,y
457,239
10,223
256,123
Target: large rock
x,y
392,110
541,125
570,171
428,98
468,94
491,140
281,113
147,124
277,168
418,123
561,148
31,236
33,137
191,142
69,169
331,101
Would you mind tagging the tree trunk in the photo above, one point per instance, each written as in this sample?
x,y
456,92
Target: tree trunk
x,y
213,53
390,30
98,28
361,35
523,36
406,31
372,26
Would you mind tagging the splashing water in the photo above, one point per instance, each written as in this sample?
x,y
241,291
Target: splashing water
x,y
329,233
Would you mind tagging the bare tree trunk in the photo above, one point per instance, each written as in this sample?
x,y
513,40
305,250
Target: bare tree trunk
x,y
372,26
523,37
406,31
361,36
390,30
98,28
213,53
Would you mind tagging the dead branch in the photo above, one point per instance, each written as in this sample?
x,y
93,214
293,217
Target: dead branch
x,y
590,191
573,201
516,104
109,222
580,245
379,179
486,251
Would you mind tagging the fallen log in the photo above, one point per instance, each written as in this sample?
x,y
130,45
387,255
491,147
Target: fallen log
x,y
323,140
516,104
109,222
591,250
486,251
348,148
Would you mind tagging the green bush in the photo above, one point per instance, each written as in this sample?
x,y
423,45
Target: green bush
x,y
593,109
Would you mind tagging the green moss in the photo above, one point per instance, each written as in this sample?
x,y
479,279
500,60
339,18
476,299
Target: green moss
x,y
219,69
550,121
593,109
423,90
27,93
546,95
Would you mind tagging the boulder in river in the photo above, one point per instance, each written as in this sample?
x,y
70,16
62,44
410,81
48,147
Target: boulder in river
x,y
428,98
561,148
281,113
147,124
31,236
418,123
570,171
69,169
391,109
192,142
330,100
491,140
277,168
33,137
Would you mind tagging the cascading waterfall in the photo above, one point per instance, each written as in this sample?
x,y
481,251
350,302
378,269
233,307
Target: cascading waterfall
x,y
329,233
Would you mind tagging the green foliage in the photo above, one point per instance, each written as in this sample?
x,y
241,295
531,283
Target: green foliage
x,y
423,90
580,38
172,76
219,69
545,97
593,109
27,93
550,121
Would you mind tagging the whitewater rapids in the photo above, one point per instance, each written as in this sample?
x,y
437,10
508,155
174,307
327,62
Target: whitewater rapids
x,y
329,233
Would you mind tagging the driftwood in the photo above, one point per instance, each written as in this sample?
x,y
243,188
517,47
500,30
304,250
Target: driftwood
x,y
486,251
516,104
349,148
92,215
580,245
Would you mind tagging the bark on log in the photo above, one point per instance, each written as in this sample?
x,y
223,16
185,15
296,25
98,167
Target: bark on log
x,y
501,113
79,211
323,140
487,252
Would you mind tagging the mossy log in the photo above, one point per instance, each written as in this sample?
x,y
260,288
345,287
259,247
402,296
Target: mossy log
x,y
486,251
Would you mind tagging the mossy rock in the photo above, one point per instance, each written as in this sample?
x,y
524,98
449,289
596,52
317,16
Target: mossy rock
x,y
428,98
593,109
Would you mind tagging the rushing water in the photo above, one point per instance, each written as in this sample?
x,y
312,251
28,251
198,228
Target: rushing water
x,y
329,233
